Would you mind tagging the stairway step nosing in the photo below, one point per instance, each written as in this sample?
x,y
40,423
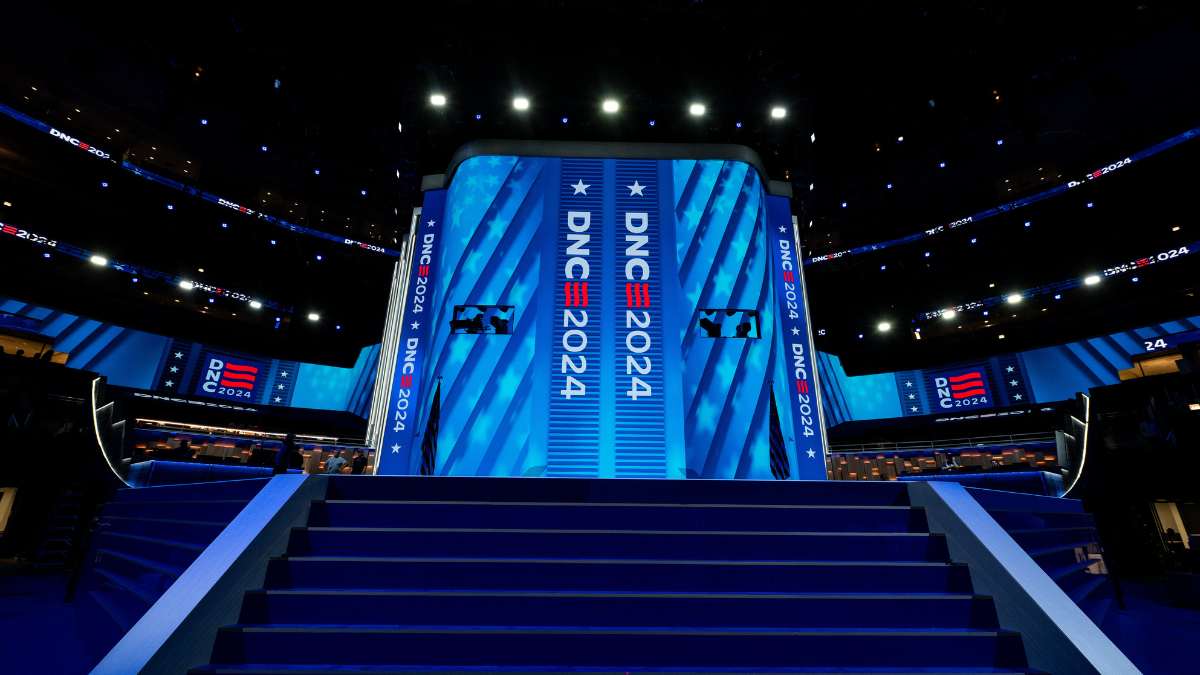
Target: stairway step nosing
x,y
1038,530
126,585
142,562
735,533
688,505
153,540
616,594
631,561
172,521
402,629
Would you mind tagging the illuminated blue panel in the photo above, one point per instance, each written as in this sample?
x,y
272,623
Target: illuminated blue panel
x,y
576,245
491,255
721,262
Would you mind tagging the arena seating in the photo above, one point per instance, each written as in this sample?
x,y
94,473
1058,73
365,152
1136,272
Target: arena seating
x,y
467,574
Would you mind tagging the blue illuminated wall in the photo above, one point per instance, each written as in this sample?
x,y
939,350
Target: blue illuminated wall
x,y
141,360
579,388
1036,376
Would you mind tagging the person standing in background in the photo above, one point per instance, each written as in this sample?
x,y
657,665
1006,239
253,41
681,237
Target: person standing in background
x,y
335,463
358,463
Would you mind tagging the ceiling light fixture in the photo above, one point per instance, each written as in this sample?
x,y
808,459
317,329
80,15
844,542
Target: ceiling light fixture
x,y
779,112
696,110
1014,298
883,326
520,103
1091,280
98,260
313,316
437,100
610,105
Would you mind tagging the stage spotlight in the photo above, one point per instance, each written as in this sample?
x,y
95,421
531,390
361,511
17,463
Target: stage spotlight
x,y
98,260
778,112
565,120
1175,229
263,148
437,100
316,172
883,326
652,122
949,313
1014,298
203,122
696,109
737,125
313,316
899,139
254,304
610,105
520,103
1091,280
999,141
941,165
186,285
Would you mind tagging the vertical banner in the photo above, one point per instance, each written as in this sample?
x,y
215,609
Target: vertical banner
x,y
398,454
639,443
573,438
801,389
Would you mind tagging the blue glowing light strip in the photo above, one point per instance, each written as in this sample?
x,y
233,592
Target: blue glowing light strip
x,y
1010,206
132,270
1067,284
187,189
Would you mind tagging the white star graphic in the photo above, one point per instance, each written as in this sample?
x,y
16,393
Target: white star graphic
x,y
174,369
914,408
283,374
795,331
179,355
415,325
1013,383
168,383
431,223
280,387
1017,397
812,454
580,188
636,189
783,228
912,397
1008,369
395,448
278,399
908,383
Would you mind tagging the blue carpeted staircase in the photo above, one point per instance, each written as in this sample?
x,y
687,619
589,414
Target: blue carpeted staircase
x,y
538,575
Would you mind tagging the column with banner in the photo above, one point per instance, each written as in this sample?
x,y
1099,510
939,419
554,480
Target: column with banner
x,y
399,452
797,380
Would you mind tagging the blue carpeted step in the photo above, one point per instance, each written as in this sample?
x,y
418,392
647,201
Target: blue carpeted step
x,y
613,516
617,544
222,510
145,578
164,551
620,575
410,488
333,669
575,608
195,531
1024,520
1043,538
616,647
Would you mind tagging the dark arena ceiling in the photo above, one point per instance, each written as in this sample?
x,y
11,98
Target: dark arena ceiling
x,y
900,117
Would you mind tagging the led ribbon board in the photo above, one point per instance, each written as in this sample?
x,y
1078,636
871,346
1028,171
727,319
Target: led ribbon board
x,y
1013,205
606,264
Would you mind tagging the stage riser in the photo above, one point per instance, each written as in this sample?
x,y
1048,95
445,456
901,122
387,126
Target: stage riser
x,y
612,610
663,576
613,517
624,649
618,490
637,545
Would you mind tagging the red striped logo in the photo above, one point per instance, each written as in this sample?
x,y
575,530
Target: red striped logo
x,y
575,294
238,375
423,270
967,385
802,386
788,275
637,295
